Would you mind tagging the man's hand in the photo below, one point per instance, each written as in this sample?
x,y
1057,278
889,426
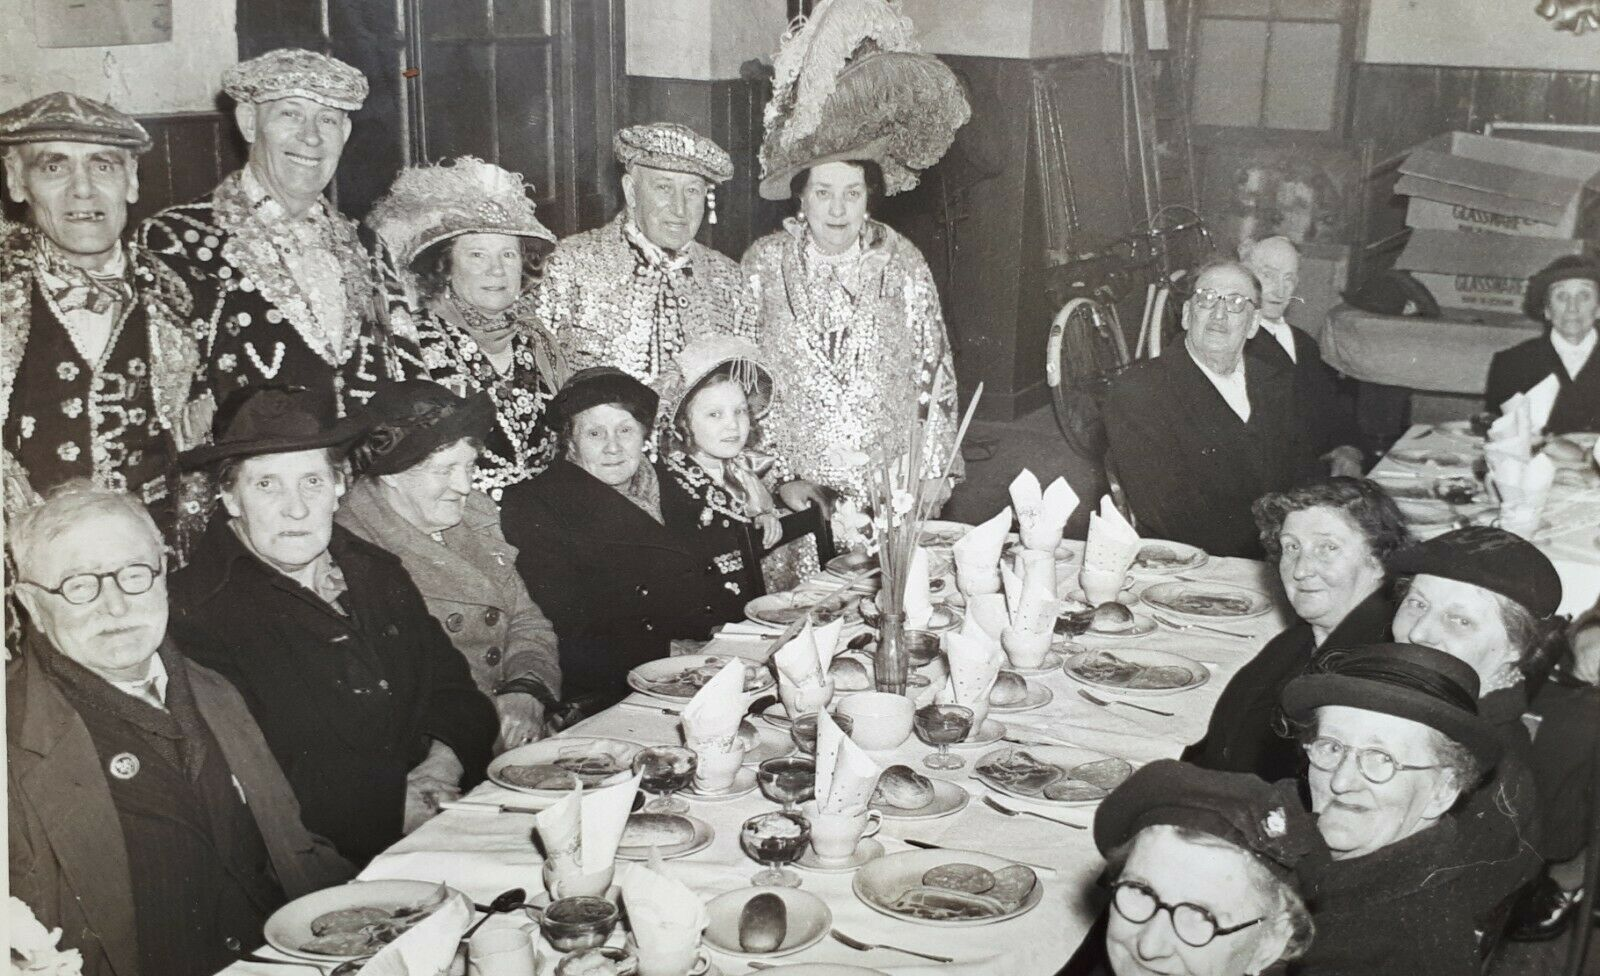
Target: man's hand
x,y
433,781
521,719
771,529
1344,461
799,494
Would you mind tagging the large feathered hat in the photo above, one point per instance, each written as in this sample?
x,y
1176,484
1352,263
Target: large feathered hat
x,y
429,204
851,82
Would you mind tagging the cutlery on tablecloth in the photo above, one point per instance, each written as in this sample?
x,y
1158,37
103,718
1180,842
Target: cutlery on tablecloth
x,y
999,807
839,936
485,806
1104,703
925,845
266,961
651,708
1181,625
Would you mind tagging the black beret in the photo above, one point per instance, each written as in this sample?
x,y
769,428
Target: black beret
x,y
1405,680
606,385
1492,558
1258,817
1561,269
411,420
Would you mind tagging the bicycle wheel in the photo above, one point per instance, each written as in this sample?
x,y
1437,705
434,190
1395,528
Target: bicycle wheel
x,y
1084,351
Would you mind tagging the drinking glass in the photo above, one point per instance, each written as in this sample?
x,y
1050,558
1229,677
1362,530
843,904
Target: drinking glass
x,y
891,660
788,780
804,731
773,840
940,725
664,770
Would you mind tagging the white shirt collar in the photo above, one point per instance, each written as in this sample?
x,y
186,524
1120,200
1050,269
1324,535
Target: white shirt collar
x,y
1280,331
1231,386
1573,354
155,680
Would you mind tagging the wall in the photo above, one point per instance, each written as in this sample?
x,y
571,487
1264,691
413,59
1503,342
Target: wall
x,y
1475,33
1028,28
183,75
701,40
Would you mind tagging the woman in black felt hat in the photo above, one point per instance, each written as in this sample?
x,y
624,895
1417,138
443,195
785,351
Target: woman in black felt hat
x,y
1565,296
618,584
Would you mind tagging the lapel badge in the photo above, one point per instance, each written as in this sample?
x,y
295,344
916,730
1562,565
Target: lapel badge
x,y
124,765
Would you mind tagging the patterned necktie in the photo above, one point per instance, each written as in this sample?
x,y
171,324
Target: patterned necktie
x,y
72,288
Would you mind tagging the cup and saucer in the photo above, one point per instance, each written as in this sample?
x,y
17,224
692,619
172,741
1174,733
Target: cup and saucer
x,y
867,850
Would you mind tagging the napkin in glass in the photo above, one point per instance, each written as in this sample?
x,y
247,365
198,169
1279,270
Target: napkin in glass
x,y
1513,429
1541,399
918,598
1113,543
666,916
581,831
711,718
1031,597
1523,485
846,775
429,947
1041,517
975,659
990,612
977,555
802,665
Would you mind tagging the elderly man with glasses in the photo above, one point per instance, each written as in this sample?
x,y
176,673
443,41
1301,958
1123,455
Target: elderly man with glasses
x,y
1200,433
148,819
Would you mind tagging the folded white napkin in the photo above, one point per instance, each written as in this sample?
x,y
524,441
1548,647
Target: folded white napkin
x,y
918,601
581,831
803,667
1031,597
977,555
1513,429
1041,516
989,611
1113,543
1523,485
975,659
663,912
846,775
711,718
430,945
1541,399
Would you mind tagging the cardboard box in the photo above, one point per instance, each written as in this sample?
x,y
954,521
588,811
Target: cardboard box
x,y
1468,183
1479,272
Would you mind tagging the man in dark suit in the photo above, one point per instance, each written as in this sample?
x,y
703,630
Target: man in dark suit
x,y
1566,297
1202,432
1330,417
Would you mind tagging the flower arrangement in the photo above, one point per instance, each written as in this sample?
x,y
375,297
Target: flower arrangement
x,y
33,947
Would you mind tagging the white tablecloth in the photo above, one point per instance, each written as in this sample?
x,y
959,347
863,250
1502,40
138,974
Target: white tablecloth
x,y
1432,355
483,854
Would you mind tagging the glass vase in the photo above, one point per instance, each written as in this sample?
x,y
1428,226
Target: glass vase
x,y
892,660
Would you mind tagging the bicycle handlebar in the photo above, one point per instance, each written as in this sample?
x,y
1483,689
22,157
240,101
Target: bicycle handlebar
x,y
1131,244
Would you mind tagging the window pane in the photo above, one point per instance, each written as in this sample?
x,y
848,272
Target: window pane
x,y
1227,83
1302,75
1237,8
1311,9
521,18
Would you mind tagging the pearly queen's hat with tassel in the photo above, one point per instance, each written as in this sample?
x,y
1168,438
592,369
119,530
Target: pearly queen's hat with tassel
x,y
851,82
702,357
430,204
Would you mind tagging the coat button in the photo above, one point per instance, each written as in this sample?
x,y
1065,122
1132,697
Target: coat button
x,y
491,616
454,623
648,626
491,657
642,590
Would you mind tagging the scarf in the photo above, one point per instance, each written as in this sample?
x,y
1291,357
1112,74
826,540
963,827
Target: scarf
x,y
476,319
72,288
644,490
657,272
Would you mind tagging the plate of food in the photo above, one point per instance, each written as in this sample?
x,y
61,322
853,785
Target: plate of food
x,y
905,794
1014,693
945,887
1419,456
1136,671
674,835
1161,556
1067,775
677,679
1107,620
1209,601
552,767
351,921
783,609
940,533
759,923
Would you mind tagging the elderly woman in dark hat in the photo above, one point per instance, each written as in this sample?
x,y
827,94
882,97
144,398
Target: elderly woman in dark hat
x,y
1565,296
1395,742
471,246
618,584
414,496
1202,871
369,710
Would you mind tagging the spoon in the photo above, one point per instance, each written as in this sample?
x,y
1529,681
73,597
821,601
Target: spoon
x,y
506,901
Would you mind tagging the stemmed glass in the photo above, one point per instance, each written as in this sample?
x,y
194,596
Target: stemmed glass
x,y
940,725
788,780
664,770
804,730
775,839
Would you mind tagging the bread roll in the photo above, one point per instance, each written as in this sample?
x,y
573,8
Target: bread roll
x,y
903,787
1009,689
848,674
657,829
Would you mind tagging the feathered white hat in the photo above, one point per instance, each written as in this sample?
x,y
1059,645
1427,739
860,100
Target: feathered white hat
x,y
702,357
429,204
851,82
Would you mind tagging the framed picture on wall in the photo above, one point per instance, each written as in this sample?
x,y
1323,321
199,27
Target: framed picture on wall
x,y
1308,190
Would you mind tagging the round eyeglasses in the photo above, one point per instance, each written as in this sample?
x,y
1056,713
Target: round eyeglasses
x,y
1196,926
1233,304
84,588
1327,754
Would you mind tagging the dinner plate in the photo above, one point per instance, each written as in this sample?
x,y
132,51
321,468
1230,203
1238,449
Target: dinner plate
x,y
991,731
548,751
948,798
289,927
1143,626
1188,600
783,609
1162,557
867,849
1458,428
1065,758
703,835
1052,661
743,784
1418,456
937,532
1141,657
882,882
1038,697
677,679
808,916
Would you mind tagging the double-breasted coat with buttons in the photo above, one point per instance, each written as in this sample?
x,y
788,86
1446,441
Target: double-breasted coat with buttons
x,y
470,582
347,701
618,585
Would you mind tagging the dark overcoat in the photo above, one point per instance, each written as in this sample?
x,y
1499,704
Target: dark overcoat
x,y
1520,368
347,702
1332,417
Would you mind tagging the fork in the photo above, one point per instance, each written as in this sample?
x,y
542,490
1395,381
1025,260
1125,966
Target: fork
x,y
839,936
999,807
1103,703
1180,625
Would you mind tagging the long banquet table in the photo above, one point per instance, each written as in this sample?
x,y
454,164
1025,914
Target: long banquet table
x,y
483,854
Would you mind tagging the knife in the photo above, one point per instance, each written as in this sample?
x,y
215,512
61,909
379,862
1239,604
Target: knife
x,y
484,806
935,847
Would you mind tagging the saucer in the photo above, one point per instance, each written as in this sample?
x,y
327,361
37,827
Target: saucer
x,y
1053,660
867,849
743,783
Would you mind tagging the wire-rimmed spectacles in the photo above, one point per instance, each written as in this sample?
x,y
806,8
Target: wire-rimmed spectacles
x,y
1232,303
1138,903
1327,754
84,588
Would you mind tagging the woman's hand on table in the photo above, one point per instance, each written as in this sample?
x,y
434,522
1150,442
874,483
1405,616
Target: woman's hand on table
x,y
800,494
521,719
431,782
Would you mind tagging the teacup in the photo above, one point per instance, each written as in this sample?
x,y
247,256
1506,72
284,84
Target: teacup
x,y
880,720
570,884
500,952
1025,648
714,772
678,954
834,836
809,700
1101,585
